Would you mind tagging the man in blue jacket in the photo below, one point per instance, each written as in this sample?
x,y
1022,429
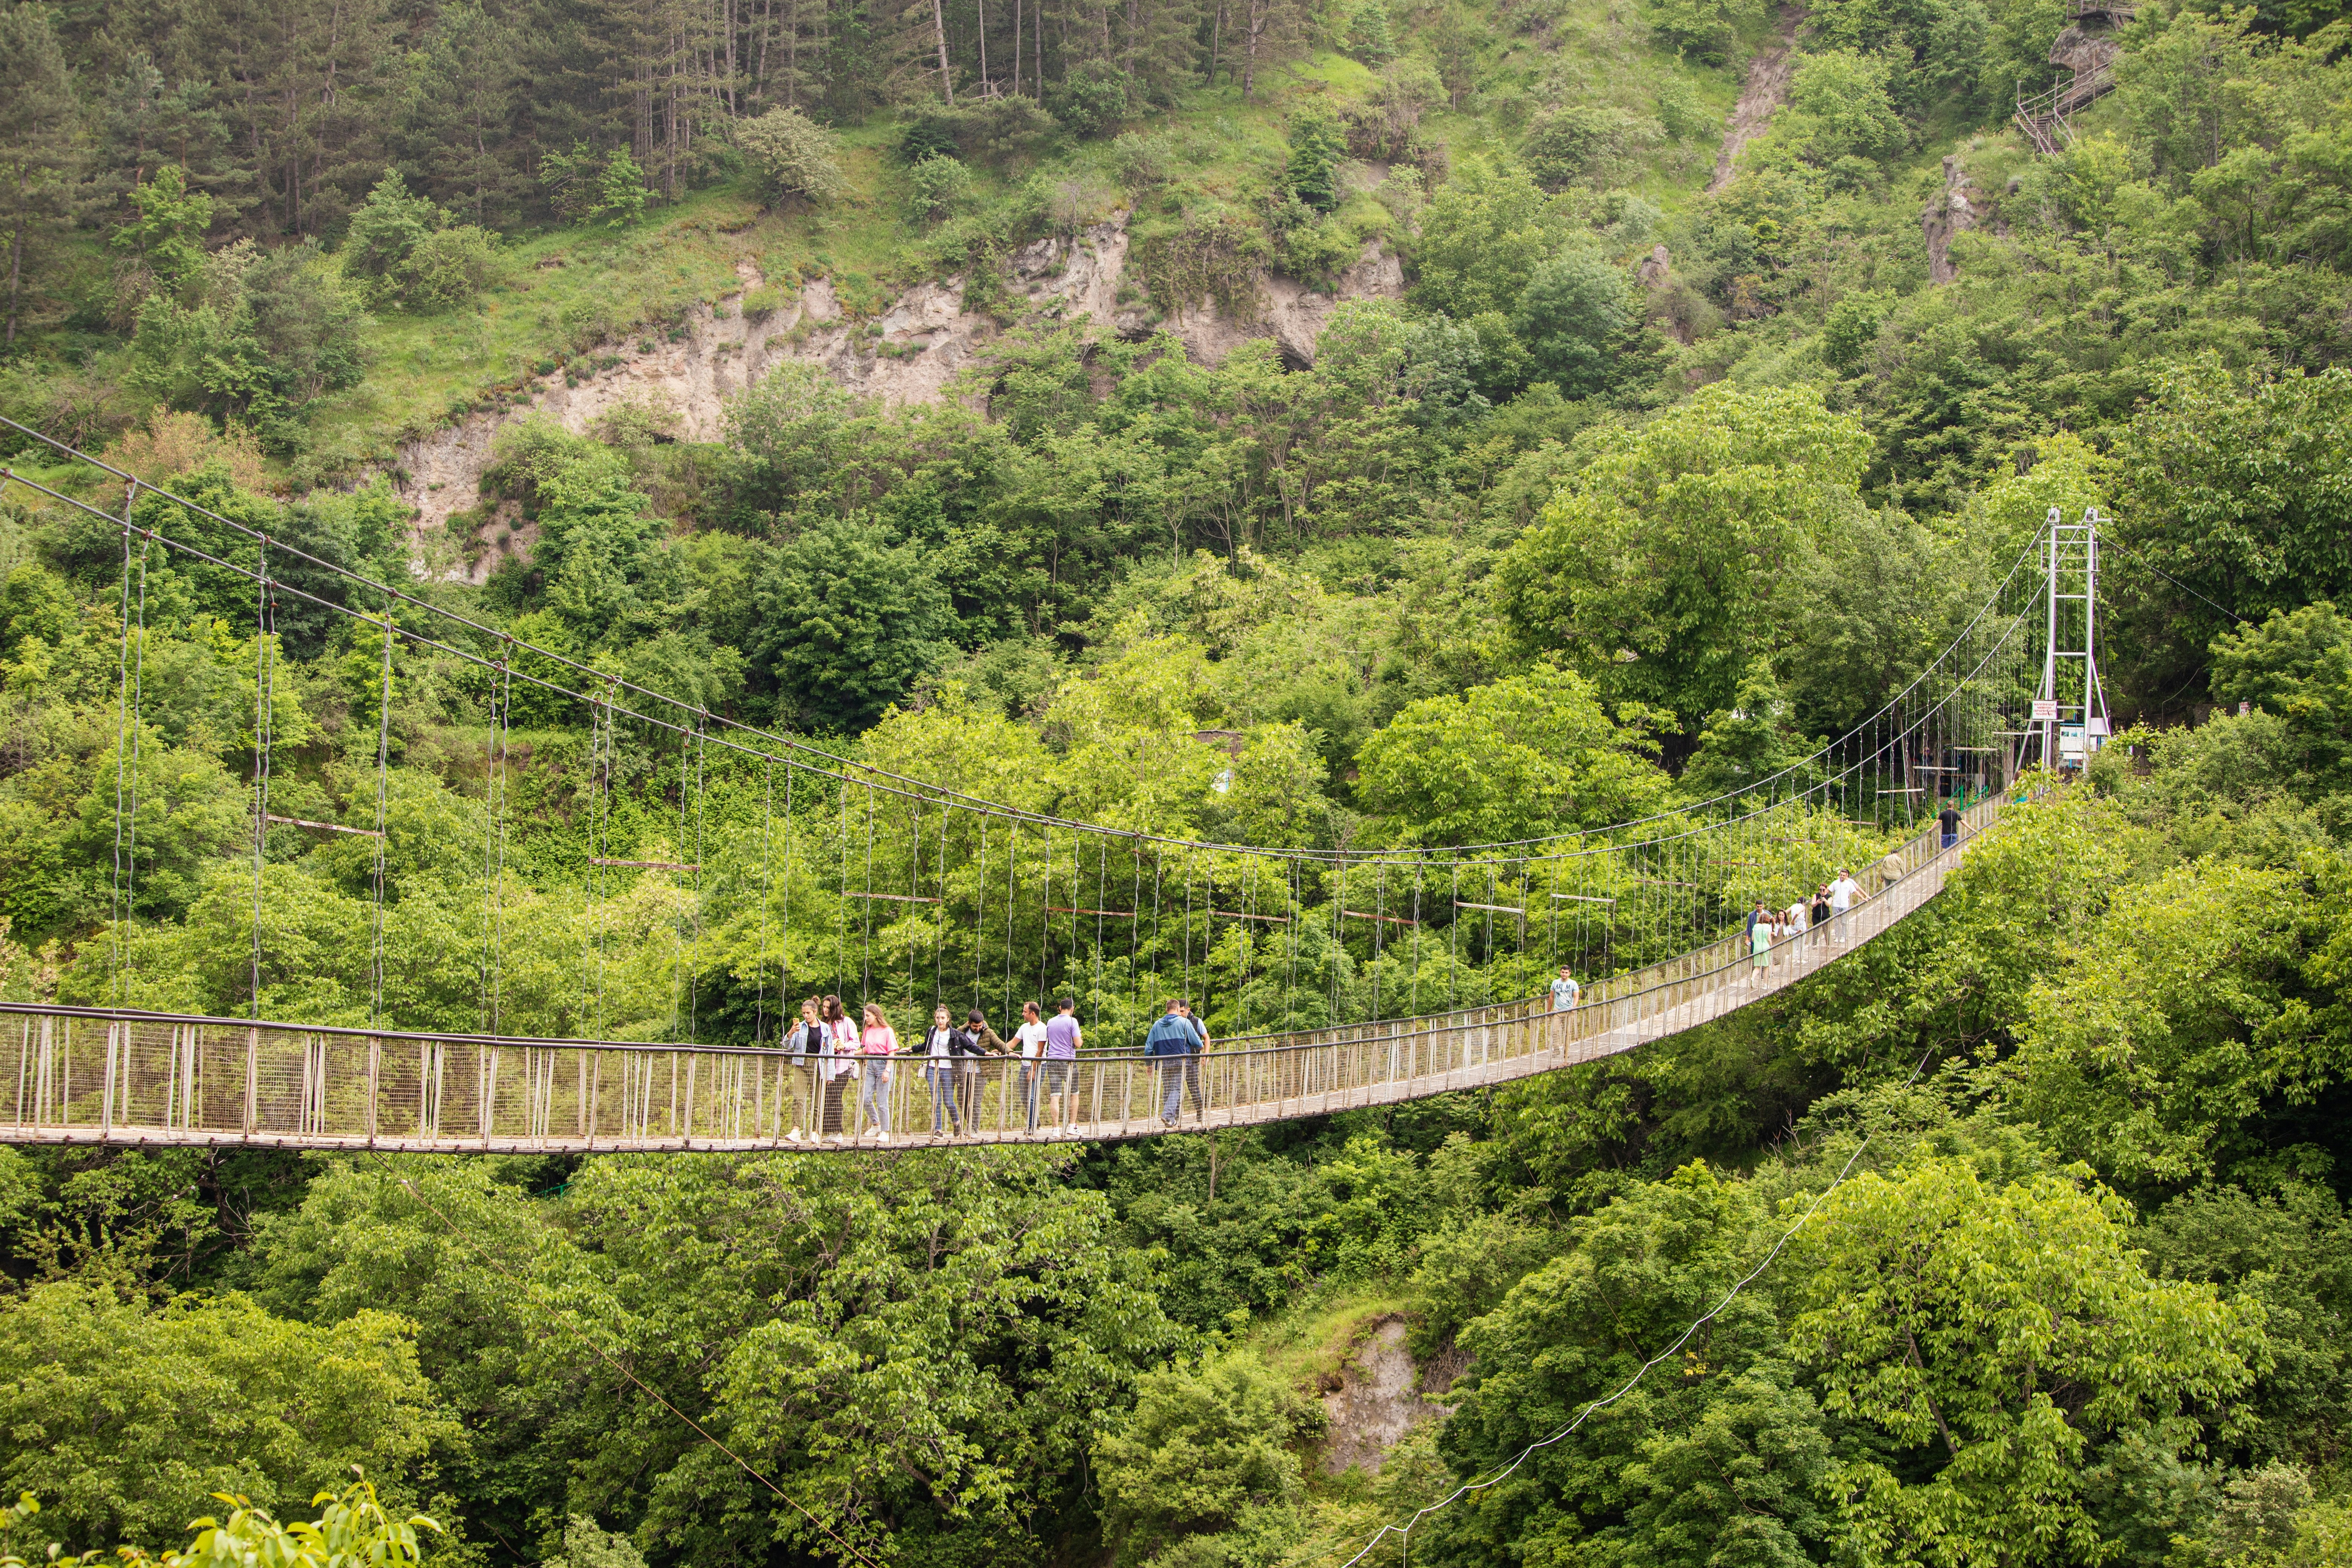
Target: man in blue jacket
x,y
1173,1042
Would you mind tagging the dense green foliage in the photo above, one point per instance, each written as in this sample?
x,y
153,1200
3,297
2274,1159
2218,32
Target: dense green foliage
x,y
1640,485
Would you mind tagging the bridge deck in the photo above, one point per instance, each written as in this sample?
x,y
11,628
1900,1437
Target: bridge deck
x,y
96,1076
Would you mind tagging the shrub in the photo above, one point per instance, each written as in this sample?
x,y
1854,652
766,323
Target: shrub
x,y
930,134
794,156
1092,98
585,187
387,228
448,269
941,186
1586,144
763,302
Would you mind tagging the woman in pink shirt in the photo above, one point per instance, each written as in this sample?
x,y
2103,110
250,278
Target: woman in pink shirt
x,y
878,1042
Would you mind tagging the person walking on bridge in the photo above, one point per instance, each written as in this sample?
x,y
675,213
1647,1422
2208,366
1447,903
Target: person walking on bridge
x,y
1759,940
878,1042
1031,1039
1949,820
1192,1062
983,1041
1842,893
941,1046
1169,1045
1063,1038
1565,990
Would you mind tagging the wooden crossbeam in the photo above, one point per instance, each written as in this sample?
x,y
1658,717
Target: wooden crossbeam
x,y
1066,909
322,827
646,864
1236,915
1583,899
896,898
1499,908
1360,915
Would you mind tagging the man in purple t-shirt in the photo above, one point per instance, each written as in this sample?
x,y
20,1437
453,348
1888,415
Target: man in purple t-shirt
x,y
1063,1038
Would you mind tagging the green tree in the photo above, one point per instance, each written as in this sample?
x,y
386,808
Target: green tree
x,y
1206,1450
1840,109
2299,667
2154,1048
36,149
167,237
203,1396
1993,1336
850,621
388,226
1532,754
795,157
1318,145
1719,1462
1573,316
1657,570
1483,235
2223,485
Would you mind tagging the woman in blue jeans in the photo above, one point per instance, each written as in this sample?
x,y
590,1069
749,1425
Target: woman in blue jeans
x,y
876,1044
941,1046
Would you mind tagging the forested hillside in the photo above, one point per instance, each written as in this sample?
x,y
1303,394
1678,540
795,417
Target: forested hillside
x,y
1277,422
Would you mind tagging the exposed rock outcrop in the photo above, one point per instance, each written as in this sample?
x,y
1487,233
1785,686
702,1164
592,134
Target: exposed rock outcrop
x,y
1950,213
1381,1396
1766,87
1288,312
909,353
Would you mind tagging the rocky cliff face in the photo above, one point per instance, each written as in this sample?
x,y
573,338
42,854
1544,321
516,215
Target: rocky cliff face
x,y
1950,213
910,353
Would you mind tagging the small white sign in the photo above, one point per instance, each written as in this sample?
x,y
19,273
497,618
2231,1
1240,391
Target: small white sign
x,y
2045,710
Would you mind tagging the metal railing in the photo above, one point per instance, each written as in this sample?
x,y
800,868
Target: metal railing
x,y
2043,116
85,1075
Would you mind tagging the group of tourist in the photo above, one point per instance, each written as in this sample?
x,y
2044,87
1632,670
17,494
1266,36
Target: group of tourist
x,y
1044,1051
1820,915
954,1058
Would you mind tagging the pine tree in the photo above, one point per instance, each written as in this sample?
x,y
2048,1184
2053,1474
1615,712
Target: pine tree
x,y
36,143
461,124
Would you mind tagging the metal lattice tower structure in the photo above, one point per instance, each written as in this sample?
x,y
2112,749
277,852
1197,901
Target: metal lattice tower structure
x,y
2070,711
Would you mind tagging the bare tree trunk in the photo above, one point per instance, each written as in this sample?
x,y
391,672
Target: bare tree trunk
x,y
939,31
983,49
792,57
1216,38
1255,25
17,251
1016,48
1038,6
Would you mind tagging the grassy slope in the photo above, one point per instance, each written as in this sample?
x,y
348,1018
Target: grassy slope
x,y
567,289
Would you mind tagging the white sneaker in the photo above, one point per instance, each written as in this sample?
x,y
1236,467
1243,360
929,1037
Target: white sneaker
x,y
882,1137
1071,1130
793,1136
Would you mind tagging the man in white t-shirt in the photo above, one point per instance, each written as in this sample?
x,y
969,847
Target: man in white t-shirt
x,y
1796,913
1565,990
1842,893
1029,1039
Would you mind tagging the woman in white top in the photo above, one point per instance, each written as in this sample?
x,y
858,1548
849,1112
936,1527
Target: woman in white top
x,y
1030,1040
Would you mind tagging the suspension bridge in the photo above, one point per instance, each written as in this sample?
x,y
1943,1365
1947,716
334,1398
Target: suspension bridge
x,y
1349,977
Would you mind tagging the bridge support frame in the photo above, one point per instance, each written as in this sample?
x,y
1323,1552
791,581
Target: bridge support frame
x,y
2070,714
